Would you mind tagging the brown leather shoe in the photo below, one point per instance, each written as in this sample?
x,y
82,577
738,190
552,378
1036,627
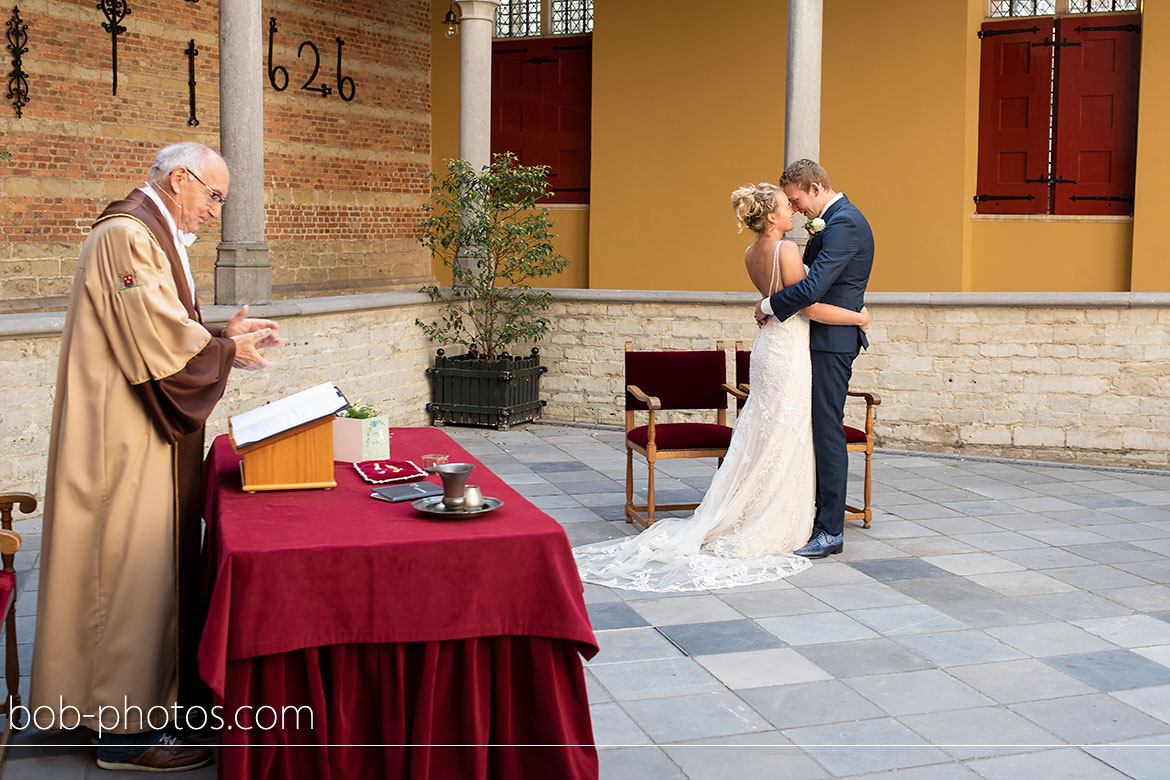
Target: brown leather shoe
x,y
166,755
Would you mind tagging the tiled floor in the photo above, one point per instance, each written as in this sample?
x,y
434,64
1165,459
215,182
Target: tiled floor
x,y
999,620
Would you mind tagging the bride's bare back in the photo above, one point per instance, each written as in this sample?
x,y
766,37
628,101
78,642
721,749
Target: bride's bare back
x,y
758,261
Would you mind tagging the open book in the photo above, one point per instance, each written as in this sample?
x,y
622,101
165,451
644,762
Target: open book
x,y
286,413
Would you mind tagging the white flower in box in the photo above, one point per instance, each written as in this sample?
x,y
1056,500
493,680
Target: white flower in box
x,y
360,433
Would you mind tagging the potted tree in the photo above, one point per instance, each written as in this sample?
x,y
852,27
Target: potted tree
x,y
486,228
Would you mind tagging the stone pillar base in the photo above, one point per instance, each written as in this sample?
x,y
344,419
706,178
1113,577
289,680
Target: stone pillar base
x,y
243,273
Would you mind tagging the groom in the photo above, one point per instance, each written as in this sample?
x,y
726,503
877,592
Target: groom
x,y
839,256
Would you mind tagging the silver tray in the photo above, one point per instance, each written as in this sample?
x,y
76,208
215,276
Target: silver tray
x,y
433,506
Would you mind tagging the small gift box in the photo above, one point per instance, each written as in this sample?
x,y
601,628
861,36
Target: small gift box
x,y
383,472
361,439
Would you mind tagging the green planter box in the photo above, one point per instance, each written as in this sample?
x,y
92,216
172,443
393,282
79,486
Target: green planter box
x,y
468,390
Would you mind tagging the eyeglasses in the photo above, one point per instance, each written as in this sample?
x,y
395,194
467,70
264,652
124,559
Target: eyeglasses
x,y
215,196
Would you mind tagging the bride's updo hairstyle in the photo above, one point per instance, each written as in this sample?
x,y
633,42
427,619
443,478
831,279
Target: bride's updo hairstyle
x,y
753,203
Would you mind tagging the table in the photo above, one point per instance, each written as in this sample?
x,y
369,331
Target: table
x,y
427,648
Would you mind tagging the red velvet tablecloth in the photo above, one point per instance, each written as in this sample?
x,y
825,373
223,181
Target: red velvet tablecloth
x,y
442,648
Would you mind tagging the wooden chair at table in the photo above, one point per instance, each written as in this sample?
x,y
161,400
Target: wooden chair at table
x,y
680,380
855,440
9,544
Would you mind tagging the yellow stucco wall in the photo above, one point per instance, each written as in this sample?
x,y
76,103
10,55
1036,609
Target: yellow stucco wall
x,y
688,103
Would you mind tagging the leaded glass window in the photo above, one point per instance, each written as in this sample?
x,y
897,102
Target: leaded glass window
x,y
1100,6
1003,8
572,17
518,18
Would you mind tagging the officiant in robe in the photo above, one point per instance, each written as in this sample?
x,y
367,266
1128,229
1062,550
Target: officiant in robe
x,y
118,617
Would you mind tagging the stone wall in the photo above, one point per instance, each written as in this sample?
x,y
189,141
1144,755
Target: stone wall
x,y
344,181
1068,377
1075,378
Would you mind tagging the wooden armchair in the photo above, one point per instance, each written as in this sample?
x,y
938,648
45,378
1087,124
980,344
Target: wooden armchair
x,y
9,544
855,440
684,380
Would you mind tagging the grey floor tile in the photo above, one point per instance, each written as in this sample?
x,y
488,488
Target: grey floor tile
x,y
632,644
1140,759
910,693
973,563
1097,577
956,648
599,594
764,668
1011,682
1065,536
1155,571
827,573
962,524
655,679
867,550
942,589
999,540
730,636
614,614
613,727
762,756
1070,606
770,603
810,704
1113,670
931,545
1065,763
684,609
865,746
868,596
816,628
899,569
951,771
1044,557
1022,583
1146,598
594,690
1090,720
899,621
980,732
1153,700
897,529
1050,639
989,613
679,718
1128,630
864,657
1022,521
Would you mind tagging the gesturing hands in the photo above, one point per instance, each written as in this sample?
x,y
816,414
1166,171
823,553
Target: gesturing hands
x,y
250,336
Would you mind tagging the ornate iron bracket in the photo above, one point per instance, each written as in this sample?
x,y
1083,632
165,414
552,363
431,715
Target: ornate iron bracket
x,y
115,11
18,45
191,53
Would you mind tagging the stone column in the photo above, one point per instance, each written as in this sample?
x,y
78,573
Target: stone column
x,y
477,25
802,103
242,271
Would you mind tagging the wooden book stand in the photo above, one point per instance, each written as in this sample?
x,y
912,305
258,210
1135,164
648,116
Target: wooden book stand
x,y
297,459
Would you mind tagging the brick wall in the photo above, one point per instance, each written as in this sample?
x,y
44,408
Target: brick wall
x,y
344,180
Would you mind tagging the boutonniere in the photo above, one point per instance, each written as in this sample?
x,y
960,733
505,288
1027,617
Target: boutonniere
x,y
814,226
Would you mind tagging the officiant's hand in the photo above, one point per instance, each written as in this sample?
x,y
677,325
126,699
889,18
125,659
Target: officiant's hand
x,y
248,356
241,323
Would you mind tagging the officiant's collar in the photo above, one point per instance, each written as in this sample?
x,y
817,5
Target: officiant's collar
x,y
181,237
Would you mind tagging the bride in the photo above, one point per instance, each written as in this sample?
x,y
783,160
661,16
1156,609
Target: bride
x,y
760,505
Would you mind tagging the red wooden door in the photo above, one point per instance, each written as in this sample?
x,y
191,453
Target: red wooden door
x,y
1097,99
1015,103
541,108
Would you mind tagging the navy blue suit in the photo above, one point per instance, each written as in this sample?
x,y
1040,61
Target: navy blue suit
x,y
839,258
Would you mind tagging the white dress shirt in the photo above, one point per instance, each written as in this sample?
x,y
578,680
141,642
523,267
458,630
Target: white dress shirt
x,y
182,239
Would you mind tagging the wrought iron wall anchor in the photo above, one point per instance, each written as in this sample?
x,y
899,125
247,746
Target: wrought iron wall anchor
x,y
17,78
191,53
115,11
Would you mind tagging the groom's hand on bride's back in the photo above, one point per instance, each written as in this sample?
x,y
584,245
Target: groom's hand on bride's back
x,y
761,318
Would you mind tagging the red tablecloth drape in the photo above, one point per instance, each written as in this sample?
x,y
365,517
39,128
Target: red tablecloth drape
x,y
397,629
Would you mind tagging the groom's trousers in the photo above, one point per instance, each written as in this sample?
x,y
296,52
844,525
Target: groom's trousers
x,y
831,372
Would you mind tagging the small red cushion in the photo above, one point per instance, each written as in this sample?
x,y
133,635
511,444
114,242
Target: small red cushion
x,y
684,436
854,436
7,591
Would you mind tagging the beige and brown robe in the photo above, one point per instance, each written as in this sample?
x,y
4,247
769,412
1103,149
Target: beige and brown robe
x,y
138,375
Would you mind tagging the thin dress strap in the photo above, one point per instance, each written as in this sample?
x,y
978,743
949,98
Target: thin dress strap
x,y
775,269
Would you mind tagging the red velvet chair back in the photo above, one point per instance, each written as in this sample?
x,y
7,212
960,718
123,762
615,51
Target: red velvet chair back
x,y
681,380
743,370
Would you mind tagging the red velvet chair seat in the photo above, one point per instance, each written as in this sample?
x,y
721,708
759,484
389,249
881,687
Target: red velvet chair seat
x,y
7,591
683,436
854,436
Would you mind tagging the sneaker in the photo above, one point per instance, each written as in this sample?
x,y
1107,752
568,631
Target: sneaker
x,y
166,755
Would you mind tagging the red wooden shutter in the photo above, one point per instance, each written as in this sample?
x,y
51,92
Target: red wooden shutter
x,y
1096,110
541,108
1015,93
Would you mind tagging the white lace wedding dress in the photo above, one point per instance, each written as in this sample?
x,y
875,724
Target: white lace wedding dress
x,y
760,504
